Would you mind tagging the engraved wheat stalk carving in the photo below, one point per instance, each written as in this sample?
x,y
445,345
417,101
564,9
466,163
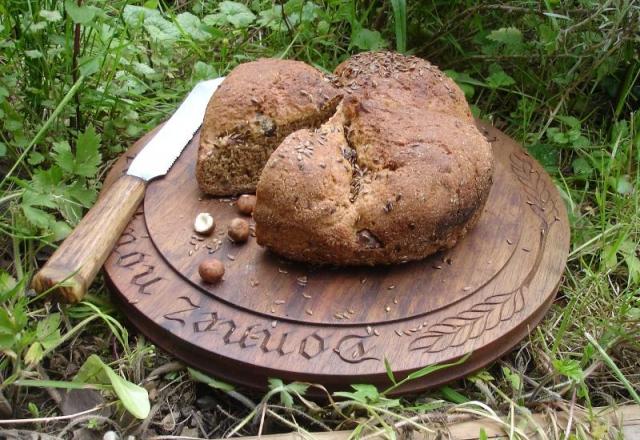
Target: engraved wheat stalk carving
x,y
469,324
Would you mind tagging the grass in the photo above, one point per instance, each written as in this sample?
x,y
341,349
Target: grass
x,y
78,84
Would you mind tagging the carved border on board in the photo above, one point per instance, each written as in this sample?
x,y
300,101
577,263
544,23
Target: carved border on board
x,y
470,324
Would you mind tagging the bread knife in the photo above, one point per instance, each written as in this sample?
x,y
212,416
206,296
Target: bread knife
x,y
73,266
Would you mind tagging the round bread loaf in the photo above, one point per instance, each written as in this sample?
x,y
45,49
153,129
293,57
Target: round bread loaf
x,y
253,110
399,172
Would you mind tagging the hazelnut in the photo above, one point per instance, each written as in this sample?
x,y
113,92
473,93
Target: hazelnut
x,y
204,223
211,270
246,204
238,230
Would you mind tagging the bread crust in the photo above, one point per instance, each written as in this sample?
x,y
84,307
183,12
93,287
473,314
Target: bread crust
x,y
398,173
253,110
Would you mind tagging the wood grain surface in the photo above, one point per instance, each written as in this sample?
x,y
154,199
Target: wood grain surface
x,y
335,326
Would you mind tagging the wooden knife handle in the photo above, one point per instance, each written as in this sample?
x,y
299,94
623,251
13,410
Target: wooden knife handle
x,y
74,265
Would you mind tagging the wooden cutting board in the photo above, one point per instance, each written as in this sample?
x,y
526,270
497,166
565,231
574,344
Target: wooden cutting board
x,y
273,318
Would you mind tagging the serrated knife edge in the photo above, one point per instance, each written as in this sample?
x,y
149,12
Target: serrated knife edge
x,y
157,157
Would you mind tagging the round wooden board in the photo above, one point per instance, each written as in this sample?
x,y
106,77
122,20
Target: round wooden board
x,y
335,326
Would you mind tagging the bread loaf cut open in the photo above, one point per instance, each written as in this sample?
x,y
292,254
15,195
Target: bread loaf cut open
x,y
395,172
253,110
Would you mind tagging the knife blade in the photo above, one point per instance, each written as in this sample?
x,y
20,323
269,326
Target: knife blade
x,y
73,266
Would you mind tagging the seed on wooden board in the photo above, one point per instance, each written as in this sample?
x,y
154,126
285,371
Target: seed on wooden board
x,y
509,242
395,300
391,287
351,311
309,312
231,257
338,316
302,280
273,324
376,332
369,330
438,266
407,332
466,288
306,295
363,280
398,332
279,301
282,270
191,252
387,309
526,249
254,283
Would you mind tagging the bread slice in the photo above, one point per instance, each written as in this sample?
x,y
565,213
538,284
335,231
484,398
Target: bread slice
x,y
253,110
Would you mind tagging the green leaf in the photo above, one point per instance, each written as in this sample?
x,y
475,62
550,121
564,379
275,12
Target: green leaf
x,y
9,287
366,39
509,36
3,149
133,397
61,230
513,378
452,395
32,198
546,154
191,25
161,30
498,78
581,167
33,54
34,354
631,260
35,158
38,217
89,65
52,16
37,27
570,368
134,16
88,157
7,282
366,393
63,156
213,383
236,14
624,185
54,384
78,192
297,387
92,371
400,23
79,14
465,82
571,121
390,375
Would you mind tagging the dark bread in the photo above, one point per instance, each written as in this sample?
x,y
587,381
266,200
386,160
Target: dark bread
x,y
252,111
397,173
